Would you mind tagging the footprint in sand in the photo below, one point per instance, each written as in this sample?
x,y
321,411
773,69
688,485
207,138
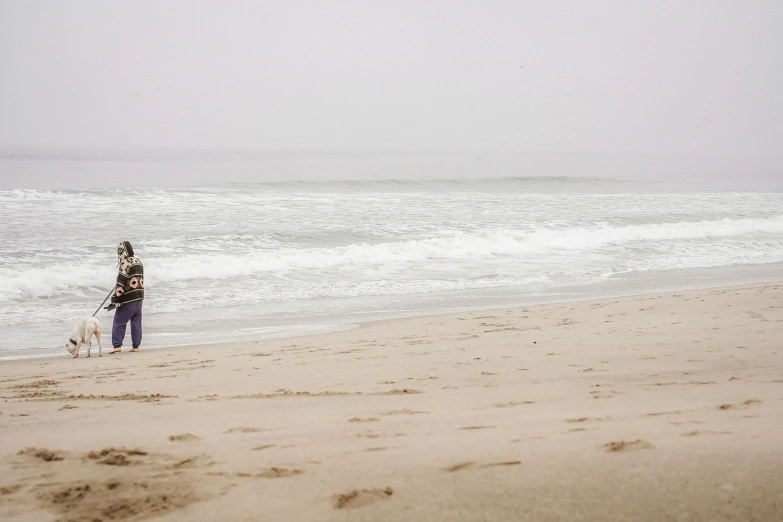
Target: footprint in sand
x,y
360,498
368,419
184,437
243,429
598,394
512,404
9,490
398,391
672,412
115,457
467,464
458,466
706,432
625,446
743,405
501,464
272,473
44,454
477,427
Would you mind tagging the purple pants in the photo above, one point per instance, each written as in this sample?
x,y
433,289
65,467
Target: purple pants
x,y
127,312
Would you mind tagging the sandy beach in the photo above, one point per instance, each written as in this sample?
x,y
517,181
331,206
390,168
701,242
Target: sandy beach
x,y
646,408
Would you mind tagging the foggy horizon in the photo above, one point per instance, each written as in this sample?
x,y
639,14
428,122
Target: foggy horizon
x,y
697,79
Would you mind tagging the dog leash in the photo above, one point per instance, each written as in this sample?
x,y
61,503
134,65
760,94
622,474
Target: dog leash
x,y
107,297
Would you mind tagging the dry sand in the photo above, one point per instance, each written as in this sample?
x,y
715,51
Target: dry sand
x,y
649,408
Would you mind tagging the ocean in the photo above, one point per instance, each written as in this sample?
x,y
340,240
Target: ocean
x,y
246,260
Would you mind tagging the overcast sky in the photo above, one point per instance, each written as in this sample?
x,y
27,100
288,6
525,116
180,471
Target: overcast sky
x,y
661,77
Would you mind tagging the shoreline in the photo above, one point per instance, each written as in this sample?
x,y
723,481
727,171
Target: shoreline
x,y
337,328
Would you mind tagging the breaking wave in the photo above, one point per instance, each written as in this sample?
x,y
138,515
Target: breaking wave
x,y
455,256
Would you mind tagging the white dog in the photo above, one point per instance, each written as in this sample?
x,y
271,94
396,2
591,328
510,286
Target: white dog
x,y
83,334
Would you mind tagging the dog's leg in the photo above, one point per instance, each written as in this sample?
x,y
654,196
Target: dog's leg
x,y
89,332
78,347
100,348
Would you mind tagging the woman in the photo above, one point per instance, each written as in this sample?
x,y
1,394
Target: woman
x,y
127,298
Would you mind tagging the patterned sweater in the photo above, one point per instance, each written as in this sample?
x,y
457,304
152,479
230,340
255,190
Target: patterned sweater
x,y
130,278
